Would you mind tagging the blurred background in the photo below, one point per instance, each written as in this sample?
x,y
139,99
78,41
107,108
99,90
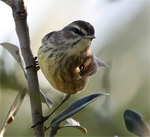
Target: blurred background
x,y
122,41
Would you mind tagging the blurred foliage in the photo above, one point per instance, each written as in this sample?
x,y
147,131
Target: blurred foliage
x,y
9,77
10,116
122,41
135,123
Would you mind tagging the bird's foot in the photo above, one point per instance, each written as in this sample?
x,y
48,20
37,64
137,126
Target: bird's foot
x,y
35,65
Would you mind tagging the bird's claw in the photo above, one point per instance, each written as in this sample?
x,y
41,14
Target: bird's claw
x,y
35,65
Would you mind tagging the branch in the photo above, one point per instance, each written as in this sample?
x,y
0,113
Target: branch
x,y
20,18
54,130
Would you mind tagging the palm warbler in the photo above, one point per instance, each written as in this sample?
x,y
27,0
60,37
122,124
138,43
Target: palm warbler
x,y
66,59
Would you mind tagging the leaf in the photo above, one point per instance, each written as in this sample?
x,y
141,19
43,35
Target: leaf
x,y
75,124
75,107
14,51
9,118
46,100
135,123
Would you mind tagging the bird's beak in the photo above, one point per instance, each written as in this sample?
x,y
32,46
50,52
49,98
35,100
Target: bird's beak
x,y
89,36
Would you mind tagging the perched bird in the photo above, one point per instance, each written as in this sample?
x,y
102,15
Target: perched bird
x,y
66,59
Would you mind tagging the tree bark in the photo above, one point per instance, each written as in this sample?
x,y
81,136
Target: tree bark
x,y
20,18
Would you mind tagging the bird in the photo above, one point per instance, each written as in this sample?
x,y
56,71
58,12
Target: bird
x,y
66,59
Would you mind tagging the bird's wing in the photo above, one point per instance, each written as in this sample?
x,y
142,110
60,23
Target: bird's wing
x,y
90,65
46,37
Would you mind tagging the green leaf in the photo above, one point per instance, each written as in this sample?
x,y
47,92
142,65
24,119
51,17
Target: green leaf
x,y
75,107
135,123
46,100
75,124
9,118
14,51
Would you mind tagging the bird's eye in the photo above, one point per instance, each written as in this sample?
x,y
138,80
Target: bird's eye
x,y
75,30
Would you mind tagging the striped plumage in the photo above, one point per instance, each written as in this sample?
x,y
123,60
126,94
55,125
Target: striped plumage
x,y
65,57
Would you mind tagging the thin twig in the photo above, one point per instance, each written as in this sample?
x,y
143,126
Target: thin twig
x,y
8,2
54,130
20,18
66,97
